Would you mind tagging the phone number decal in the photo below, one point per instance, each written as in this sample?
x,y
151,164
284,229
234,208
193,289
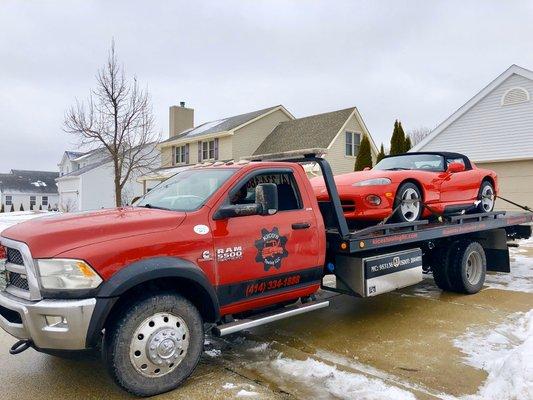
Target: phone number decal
x,y
262,287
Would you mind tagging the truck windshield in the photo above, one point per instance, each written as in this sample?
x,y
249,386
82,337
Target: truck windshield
x,y
427,162
185,191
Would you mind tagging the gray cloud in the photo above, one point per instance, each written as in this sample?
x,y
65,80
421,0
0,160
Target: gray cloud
x,y
413,60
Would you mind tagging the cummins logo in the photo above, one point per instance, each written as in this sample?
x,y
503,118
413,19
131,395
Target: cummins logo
x,y
396,262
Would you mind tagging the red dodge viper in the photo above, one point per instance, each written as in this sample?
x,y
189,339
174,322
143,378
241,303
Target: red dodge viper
x,y
443,182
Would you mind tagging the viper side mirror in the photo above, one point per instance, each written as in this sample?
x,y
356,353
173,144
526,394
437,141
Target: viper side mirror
x,y
455,167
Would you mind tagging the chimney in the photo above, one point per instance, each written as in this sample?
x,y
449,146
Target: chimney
x,y
180,119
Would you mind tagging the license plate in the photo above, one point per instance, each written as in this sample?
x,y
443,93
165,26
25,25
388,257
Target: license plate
x,y
3,276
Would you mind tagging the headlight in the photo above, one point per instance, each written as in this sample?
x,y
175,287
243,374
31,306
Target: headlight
x,y
373,182
66,274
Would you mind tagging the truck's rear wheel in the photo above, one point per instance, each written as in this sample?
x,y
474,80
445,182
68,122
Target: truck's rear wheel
x,y
439,268
467,266
155,344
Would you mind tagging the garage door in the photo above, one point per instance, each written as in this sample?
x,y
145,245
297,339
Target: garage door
x,y
516,182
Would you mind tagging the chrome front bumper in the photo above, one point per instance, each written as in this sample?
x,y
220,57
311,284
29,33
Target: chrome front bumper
x,y
49,324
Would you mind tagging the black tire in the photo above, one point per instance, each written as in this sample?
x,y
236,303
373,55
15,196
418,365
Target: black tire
x,y
439,267
462,255
119,336
400,193
485,185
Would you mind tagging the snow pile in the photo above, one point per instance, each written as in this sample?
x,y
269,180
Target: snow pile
x,y
326,381
246,393
506,354
520,278
12,218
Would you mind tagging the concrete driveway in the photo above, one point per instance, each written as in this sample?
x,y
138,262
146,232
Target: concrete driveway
x,y
414,343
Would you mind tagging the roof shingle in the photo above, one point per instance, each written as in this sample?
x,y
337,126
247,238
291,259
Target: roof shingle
x,y
22,181
221,125
315,131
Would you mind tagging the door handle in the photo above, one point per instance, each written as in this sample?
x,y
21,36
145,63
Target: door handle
x,y
301,225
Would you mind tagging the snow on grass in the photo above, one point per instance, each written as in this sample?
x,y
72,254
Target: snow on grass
x,y
506,354
326,381
520,279
16,217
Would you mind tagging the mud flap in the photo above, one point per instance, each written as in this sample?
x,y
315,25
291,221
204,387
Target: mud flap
x,y
373,275
494,243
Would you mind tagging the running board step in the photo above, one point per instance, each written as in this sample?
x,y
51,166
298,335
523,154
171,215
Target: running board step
x,y
262,319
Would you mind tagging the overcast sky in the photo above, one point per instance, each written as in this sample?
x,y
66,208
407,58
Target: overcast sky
x,y
413,60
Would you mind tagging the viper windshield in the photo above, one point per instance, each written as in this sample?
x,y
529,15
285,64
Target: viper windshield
x,y
185,191
425,162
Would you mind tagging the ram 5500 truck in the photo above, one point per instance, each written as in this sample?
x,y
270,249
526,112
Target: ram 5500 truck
x,y
224,247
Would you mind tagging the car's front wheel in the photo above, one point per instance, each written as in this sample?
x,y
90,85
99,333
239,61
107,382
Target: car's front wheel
x,y
487,197
155,344
408,202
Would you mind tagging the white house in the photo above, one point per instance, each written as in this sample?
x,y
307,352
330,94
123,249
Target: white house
x,y
29,189
495,129
86,181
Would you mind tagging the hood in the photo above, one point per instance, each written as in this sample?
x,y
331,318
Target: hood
x,y
51,235
352,177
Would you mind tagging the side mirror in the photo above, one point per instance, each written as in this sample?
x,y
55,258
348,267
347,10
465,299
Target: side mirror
x,y
266,203
455,167
367,169
236,210
266,197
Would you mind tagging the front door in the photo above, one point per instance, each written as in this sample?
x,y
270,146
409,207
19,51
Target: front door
x,y
459,187
263,256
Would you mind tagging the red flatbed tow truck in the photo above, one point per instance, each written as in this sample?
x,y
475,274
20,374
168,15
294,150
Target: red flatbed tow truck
x,y
223,247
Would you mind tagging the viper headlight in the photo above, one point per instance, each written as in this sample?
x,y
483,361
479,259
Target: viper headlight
x,y
66,274
373,182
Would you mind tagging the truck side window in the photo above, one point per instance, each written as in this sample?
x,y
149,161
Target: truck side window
x,y
288,195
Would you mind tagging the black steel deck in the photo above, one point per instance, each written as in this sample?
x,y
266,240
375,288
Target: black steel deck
x,y
389,235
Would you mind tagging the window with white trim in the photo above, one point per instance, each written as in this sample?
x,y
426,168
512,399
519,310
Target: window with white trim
x,y
180,154
353,140
44,200
515,95
209,150
9,200
33,200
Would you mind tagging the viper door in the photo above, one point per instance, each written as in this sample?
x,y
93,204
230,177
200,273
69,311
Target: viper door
x,y
264,256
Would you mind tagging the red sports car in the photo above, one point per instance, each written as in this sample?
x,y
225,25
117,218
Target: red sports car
x,y
443,182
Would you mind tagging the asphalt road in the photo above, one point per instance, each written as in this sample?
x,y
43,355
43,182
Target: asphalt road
x,y
403,339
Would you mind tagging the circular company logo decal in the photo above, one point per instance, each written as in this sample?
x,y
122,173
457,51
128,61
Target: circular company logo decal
x,y
271,248
201,229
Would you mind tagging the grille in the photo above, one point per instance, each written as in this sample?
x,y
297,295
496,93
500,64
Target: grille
x,y
14,256
17,280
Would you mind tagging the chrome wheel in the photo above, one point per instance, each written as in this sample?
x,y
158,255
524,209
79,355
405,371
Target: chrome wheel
x,y
159,344
410,207
487,198
474,267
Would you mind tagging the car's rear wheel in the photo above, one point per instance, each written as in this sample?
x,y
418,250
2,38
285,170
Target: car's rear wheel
x,y
408,202
487,197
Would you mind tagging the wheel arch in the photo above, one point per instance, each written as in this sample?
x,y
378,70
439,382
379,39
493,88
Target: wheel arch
x,y
489,179
152,276
415,182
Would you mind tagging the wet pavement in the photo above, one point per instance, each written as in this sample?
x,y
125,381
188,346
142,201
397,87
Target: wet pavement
x,y
397,345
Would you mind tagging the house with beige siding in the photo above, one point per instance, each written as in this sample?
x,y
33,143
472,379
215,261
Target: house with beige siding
x,y
228,138
495,130
337,133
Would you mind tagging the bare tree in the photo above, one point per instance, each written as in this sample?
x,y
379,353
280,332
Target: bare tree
x,y
418,134
117,116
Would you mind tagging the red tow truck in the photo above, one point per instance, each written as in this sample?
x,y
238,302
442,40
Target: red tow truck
x,y
221,247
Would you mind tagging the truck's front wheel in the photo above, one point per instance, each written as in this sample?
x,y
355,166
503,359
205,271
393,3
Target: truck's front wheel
x,y
155,344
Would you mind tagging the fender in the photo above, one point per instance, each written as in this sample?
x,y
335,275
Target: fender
x,y
140,272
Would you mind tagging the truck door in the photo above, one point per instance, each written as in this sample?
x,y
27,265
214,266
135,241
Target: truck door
x,y
258,256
